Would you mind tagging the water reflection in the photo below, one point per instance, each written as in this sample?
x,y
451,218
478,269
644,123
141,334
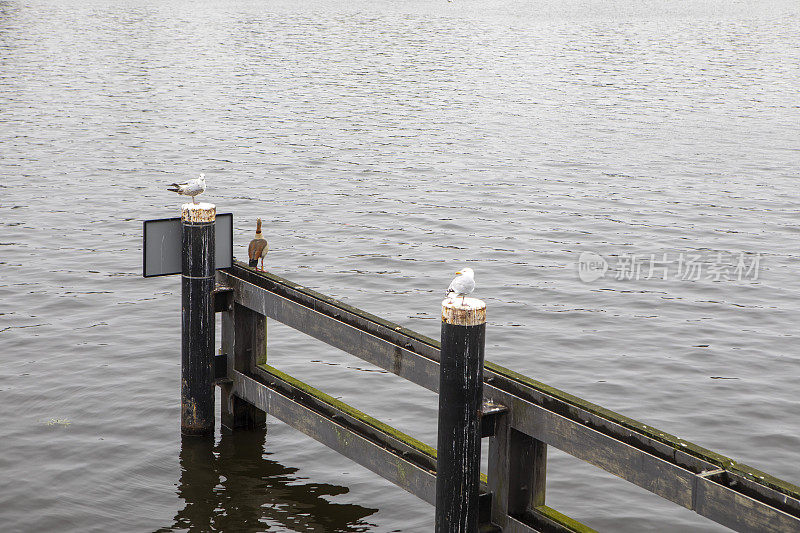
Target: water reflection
x,y
231,486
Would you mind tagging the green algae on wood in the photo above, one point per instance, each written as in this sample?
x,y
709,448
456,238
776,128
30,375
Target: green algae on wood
x,y
563,520
420,446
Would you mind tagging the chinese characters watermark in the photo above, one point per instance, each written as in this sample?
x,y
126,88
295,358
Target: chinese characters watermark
x,y
683,266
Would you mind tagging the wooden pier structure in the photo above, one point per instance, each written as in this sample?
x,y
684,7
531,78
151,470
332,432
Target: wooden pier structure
x,y
521,418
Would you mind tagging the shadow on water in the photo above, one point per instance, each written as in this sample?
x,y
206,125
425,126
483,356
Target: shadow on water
x,y
231,486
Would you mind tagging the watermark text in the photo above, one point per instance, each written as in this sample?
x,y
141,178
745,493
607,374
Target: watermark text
x,y
683,266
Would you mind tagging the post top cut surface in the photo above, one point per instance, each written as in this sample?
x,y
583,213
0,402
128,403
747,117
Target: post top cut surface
x,y
472,312
198,213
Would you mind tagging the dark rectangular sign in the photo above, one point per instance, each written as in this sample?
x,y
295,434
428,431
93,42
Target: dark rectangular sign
x,y
162,245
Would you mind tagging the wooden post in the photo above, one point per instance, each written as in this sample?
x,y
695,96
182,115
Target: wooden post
x,y
244,339
526,473
197,319
517,472
460,400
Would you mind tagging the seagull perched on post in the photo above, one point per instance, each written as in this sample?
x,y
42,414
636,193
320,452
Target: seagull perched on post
x,y
463,284
190,188
258,247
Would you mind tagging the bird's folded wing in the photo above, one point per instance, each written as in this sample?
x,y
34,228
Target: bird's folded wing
x,y
257,248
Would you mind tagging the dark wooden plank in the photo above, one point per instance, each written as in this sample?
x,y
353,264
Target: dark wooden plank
x,y
497,475
516,526
527,472
390,331
517,472
395,358
720,503
244,332
382,460
645,470
371,428
710,497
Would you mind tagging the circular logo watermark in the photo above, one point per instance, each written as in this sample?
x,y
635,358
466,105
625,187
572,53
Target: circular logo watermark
x,y
591,266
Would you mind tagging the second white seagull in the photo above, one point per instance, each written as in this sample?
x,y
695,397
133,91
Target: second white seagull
x,y
463,284
190,188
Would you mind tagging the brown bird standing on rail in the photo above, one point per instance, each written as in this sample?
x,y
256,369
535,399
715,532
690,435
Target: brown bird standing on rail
x,y
258,247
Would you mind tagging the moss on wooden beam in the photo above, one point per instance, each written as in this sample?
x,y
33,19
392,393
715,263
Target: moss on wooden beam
x,y
420,446
563,520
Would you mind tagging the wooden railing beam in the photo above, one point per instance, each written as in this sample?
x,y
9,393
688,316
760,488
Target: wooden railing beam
x,y
539,416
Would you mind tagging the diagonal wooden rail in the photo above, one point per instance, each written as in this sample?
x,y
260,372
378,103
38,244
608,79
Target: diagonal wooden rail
x,y
537,416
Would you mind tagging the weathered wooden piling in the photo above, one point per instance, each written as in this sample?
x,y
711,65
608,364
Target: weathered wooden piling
x,y
460,401
197,319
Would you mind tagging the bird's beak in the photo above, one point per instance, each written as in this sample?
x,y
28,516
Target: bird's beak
x,y
458,273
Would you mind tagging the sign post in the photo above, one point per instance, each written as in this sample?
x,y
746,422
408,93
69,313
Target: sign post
x,y
197,319
193,245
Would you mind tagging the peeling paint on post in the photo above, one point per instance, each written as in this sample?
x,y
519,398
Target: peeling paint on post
x,y
197,319
460,399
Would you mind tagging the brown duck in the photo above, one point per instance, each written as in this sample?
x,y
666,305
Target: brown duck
x,y
258,248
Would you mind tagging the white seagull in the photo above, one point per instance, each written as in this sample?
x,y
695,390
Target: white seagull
x,y
463,284
190,188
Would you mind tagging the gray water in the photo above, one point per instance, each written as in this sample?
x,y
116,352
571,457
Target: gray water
x,y
386,144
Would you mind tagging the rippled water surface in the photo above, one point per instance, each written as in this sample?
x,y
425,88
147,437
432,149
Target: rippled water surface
x,y
386,144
